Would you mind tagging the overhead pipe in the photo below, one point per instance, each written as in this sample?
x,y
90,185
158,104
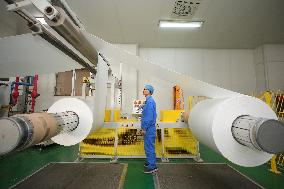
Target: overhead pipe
x,y
64,26
48,36
69,12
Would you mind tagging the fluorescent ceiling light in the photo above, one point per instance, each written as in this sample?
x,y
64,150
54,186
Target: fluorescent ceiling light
x,y
41,20
179,24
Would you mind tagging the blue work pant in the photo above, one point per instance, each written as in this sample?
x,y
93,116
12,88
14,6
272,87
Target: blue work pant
x,y
149,147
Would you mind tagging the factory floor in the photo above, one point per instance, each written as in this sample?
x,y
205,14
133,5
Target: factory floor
x,y
17,166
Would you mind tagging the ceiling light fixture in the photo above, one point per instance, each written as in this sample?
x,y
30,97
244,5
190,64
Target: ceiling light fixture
x,y
179,24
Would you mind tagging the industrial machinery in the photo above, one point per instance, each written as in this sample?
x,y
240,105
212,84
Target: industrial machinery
x,y
24,130
178,98
121,138
241,128
24,101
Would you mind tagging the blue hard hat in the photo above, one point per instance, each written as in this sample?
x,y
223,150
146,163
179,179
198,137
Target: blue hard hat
x,y
149,88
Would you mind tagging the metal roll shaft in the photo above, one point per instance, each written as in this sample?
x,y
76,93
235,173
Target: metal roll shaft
x,y
24,130
259,133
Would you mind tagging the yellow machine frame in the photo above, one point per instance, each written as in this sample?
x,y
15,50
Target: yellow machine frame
x,y
118,138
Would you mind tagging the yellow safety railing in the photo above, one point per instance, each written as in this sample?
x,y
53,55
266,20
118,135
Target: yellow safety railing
x,y
275,99
178,142
280,161
124,142
278,104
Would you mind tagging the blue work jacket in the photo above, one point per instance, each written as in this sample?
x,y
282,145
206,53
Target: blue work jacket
x,y
149,115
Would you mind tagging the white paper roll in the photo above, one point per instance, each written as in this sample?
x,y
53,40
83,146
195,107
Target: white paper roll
x,y
85,125
211,121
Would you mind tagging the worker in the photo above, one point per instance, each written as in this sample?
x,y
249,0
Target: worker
x,y
148,126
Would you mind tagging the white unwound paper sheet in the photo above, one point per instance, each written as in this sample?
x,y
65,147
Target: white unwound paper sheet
x,y
30,54
99,102
196,87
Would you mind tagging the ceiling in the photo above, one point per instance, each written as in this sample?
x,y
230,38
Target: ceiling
x,y
228,23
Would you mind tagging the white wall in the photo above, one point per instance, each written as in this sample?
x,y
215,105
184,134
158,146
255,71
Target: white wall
x,y
4,98
269,66
259,70
46,85
10,22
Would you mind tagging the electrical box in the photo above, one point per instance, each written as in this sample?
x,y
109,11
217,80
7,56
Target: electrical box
x,y
137,107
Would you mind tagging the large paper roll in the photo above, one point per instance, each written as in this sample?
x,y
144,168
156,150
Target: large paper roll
x,y
91,112
211,122
85,125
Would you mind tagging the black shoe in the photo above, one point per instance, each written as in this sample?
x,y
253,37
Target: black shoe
x,y
146,164
151,170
